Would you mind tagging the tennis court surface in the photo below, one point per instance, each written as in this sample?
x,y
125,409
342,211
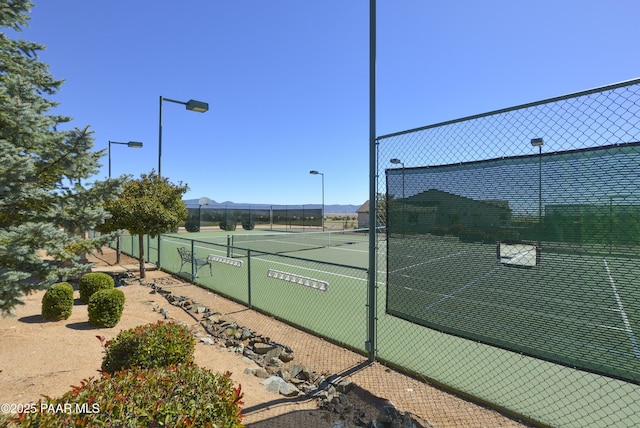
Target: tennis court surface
x,y
579,310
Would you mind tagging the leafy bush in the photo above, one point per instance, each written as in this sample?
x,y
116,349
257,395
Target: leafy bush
x,y
192,225
57,302
175,396
152,345
92,282
105,307
248,225
228,224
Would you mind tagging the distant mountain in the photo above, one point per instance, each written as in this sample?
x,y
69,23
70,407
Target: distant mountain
x,y
329,209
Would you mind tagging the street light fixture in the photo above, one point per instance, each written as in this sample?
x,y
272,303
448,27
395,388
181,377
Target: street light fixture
x,y
397,161
314,172
130,144
193,105
539,142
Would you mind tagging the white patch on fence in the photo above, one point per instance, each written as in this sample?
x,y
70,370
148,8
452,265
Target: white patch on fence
x,y
225,260
316,284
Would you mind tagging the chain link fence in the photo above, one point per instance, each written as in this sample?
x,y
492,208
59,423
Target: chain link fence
x,y
228,217
326,299
509,267
508,258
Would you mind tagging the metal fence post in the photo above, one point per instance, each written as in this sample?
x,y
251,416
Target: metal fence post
x,y
249,303
370,344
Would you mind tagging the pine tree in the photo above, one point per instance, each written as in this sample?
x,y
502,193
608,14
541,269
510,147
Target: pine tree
x,y
44,205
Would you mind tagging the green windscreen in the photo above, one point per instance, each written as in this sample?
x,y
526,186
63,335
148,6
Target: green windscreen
x,y
538,254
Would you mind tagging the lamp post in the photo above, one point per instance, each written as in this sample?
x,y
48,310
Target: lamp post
x,y
539,142
133,145
130,144
202,201
193,105
314,172
397,161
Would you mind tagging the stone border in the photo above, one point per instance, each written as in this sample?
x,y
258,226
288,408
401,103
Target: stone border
x,y
294,380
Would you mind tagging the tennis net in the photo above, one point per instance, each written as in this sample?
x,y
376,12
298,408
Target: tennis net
x,y
285,242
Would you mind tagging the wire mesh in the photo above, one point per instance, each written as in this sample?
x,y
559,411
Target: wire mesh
x,y
512,255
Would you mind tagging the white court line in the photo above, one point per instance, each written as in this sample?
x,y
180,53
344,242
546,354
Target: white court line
x,y
464,287
625,318
430,261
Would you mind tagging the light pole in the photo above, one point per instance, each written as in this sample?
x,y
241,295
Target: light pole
x,y
202,201
314,172
539,142
131,144
193,105
397,161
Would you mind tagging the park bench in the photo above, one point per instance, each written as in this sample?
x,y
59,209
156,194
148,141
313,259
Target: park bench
x,y
186,256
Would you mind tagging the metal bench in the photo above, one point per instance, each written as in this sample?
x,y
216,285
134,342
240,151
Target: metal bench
x,y
186,256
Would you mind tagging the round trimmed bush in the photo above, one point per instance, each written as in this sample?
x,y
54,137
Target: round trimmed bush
x,y
175,396
192,225
228,224
92,282
151,345
57,302
105,307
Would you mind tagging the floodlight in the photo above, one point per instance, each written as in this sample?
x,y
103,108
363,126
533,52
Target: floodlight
x,y
198,106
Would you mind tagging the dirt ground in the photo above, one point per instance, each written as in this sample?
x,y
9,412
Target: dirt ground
x,y
43,358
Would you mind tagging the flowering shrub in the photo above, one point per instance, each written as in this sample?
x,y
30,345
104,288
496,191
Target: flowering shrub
x,y
176,396
147,346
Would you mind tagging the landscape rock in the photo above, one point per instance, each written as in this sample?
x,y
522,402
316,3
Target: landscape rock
x,y
262,348
207,340
281,386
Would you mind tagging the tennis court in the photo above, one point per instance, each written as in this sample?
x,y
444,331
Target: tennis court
x,y
577,310
347,247
317,282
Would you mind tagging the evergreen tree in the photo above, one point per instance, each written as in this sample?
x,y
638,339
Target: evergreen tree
x,y
44,205
148,206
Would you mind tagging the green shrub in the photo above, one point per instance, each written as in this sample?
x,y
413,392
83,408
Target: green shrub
x,y
192,225
248,225
57,302
105,307
175,396
92,282
229,224
152,345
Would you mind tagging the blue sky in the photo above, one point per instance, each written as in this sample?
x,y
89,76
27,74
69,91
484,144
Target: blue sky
x,y
287,80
